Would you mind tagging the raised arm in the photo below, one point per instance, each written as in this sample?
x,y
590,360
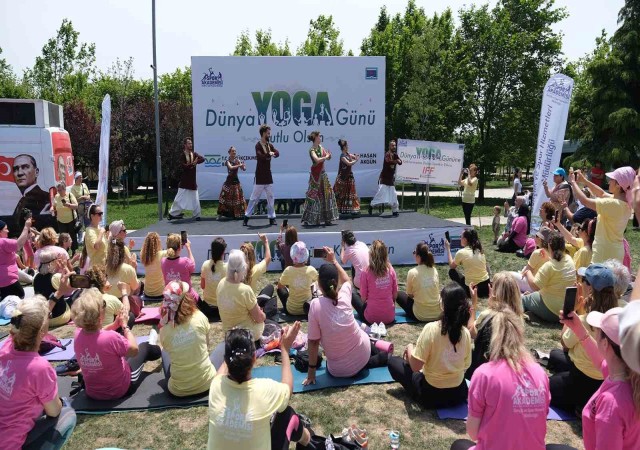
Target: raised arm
x,y
579,195
331,258
289,334
570,238
267,250
24,236
594,188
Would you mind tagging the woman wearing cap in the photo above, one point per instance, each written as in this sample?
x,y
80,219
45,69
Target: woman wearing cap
x,y
422,299
95,237
561,192
111,363
265,421
117,230
469,185
610,417
184,335
9,282
378,288
471,258
518,234
551,281
432,372
176,267
151,258
213,270
64,209
237,303
613,208
347,347
295,287
508,393
536,259
584,241
30,386
82,194
576,378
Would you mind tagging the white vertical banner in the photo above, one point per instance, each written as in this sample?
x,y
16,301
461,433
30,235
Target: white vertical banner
x,y
103,168
553,123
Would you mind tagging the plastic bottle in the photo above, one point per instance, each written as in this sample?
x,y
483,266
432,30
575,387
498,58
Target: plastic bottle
x,y
328,444
394,437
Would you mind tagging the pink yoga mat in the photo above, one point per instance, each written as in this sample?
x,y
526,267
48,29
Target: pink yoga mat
x,y
150,314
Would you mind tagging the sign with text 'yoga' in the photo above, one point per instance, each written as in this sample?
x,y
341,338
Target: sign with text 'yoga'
x,y
426,162
342,97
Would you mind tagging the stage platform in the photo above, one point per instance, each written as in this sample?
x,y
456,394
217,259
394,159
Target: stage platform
x,y
400,234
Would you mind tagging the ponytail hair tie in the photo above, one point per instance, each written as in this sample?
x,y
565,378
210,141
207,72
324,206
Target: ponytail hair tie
x,y
16,319
113,241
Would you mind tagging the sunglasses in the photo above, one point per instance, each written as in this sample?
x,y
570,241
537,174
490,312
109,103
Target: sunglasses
x,y
98,213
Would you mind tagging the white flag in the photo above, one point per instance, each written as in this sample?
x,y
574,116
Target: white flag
x,y
103,168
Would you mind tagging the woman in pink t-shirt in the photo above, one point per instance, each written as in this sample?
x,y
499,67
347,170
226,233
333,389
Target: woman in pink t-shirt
x,y
356,253
28,385
519,230
111,363
347,347
176,267
9,282
510,392
378,288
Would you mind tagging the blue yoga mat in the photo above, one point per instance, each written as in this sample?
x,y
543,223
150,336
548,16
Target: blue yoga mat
x,y
4,322
323,379
460,412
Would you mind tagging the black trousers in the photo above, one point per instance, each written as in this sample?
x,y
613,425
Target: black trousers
x,y
211,312
286,427
467,209
421,391
267,302
71,229
508,246
483,287
571,389
283,295
12,289
146,352
406,303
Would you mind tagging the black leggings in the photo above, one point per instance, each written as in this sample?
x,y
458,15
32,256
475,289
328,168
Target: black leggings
x,y
483,287
466,444
360,306
283,295
570,389
267,302
146,352
12,289
508,246
286,427
421,391
467,209
211,312
406,302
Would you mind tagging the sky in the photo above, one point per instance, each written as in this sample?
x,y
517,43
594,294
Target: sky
x,y
185,28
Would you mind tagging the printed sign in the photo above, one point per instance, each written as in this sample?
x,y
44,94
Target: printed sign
x,y
426,162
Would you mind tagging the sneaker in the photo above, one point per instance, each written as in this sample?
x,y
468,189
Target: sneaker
x,y
70,368
245,221
153,337
273,222
382,330
198,219
395,214
375,333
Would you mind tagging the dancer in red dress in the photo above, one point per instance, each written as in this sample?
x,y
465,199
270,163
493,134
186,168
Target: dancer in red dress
x,y
320,204
232,203
345,185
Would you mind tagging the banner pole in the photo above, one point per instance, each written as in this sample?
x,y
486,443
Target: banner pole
x,y
427,199
402,199
156,110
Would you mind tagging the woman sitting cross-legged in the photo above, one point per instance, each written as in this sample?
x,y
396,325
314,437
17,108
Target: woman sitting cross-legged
x,y
253,413
295,287
32,416
176,267
98,278
266,300
586,235
536,259
422,299
151,258
111,364
504,294
213,270
509,395
471,258
518,234
118,270
432,372
347,347
378,288
237,303
184,335
551,281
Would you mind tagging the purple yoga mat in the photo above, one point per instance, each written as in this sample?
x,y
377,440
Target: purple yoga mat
x,y
150,314
460,412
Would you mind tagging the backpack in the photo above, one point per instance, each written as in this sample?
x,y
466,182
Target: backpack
x,y
301,361
49,342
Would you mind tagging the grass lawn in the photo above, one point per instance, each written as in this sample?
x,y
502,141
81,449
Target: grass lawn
x,y
377,408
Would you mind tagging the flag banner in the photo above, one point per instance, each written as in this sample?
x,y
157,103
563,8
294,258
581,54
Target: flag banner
x,y
103,168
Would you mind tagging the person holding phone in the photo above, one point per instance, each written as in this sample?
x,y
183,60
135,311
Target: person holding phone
x,y
472,259
9,282
320,204
354,252
421,301
468,179
95,237
176,267
65,208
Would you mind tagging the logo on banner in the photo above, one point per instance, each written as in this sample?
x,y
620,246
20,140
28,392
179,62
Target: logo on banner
x,y
212,79
6,169
559,88
213,160
371,73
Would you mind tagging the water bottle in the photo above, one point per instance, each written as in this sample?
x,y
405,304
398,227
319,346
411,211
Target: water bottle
x,y
328,444
394,437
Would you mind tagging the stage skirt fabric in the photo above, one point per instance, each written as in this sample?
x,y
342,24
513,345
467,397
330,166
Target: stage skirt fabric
x,y
386,195
320,204
186,200
231,202
346,196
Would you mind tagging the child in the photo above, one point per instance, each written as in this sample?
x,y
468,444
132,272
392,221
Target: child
x,y
495,223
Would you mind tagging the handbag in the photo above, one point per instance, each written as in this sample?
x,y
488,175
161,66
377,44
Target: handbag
x,y
48,343
301,361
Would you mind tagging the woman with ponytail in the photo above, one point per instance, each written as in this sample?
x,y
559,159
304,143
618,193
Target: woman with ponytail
x,y
550,282
432,372
347,347
237,303
29,385
584,241
422,299
345,185
508,393
118,270
184,335
213,270
268,422
151,258
176,267
471,258
266,300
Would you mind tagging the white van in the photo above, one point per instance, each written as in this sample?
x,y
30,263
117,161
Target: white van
x,y
35,153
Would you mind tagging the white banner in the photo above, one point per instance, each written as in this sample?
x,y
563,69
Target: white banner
x,y
342,97
426,162
553,122
103,168
401,244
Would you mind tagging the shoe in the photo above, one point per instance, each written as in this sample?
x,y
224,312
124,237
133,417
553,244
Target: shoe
x,y
198,219
70,368
179,216
153,337
395,214
273,222
245,221
327,224
382,330
370,210
375,331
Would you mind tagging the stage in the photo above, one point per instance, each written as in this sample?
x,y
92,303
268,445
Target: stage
x,y
400,234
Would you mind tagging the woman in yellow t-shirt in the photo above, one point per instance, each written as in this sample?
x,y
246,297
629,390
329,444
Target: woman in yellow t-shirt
x,y
432,372
469,185
151,258
266,300
112,305
119,271
422,299
584,241
241,407
613,208
537,258
471,258
64,208
295,287
575,377
184,336
212,272
95,237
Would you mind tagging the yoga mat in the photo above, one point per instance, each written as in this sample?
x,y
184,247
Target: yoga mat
x,y
323,379
4,322
460,412
284,317
149,314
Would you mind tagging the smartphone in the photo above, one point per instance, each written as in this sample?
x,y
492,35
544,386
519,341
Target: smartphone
x,y
319,253
106,228
285,222
79,281
447,236
183,237
556,216
569,300
64,201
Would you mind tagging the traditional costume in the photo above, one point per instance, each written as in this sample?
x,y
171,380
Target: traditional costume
x,y
320,204
263,180
345,187
187,198
231,203
386,189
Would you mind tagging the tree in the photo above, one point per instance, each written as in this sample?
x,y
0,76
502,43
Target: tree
x,y
64,70
10,87
264,45
322,39
176,86
84,131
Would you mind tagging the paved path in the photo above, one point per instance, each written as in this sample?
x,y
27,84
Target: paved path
x,y
480,221
488,193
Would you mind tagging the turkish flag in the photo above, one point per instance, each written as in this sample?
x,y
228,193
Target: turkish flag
x,y
6,169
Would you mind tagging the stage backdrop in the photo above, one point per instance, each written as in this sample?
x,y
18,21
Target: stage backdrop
x,y
426,162
342,97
